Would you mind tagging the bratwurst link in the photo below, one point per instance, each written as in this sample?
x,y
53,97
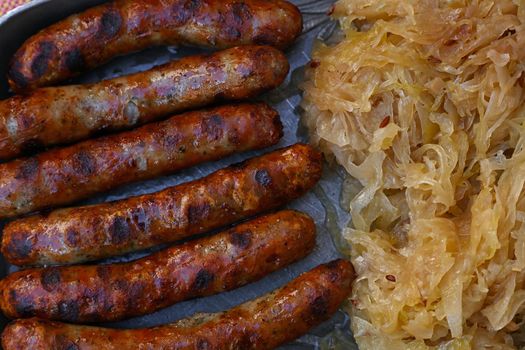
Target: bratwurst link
x,y
88,39
62,176
261,324
59,115
202,267
94,232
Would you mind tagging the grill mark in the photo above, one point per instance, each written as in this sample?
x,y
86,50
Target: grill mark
x,y
171,141
241,240
263,178
23,304
28,169
212,127
241,12
203,280
20,247
119,230
68,310
41,62
16,75
134,292
84,163
72,237
198,213
203,344
74,60
183,11
319,306
50,279
110,24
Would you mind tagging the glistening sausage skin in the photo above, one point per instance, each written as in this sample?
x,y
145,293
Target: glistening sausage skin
x,y
88,39
261,324
94,232
66,114
62,176
201,267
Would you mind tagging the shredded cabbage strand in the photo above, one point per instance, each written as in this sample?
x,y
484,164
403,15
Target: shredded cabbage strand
x,y
422,103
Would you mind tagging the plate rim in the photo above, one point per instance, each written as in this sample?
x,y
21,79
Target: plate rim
x,y
19,9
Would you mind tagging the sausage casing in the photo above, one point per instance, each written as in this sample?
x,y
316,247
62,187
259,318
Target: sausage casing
x,y
261,324
62,176
59,115
86,40
79,234
201,267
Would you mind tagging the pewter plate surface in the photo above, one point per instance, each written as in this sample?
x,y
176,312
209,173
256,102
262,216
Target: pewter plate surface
x,y
18,25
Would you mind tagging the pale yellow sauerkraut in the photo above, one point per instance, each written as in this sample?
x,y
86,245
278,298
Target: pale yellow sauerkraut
x,y
422,103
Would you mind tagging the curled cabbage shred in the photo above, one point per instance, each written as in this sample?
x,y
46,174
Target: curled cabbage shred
x,y
422,102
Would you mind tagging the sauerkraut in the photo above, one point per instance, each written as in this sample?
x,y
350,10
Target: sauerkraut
x,y
422,103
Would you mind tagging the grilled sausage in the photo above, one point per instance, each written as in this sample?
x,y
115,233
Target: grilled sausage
x,y
59,115
62,176
74,235
205,266
93,37
263,323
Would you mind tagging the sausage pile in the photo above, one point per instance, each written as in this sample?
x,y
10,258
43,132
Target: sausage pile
x,y
144,140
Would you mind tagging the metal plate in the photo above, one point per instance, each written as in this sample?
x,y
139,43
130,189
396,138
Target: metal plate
x,y
21,23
